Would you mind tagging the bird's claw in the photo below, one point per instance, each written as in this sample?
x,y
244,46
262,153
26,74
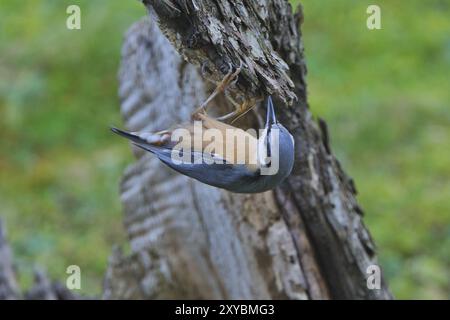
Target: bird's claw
x,y
230,78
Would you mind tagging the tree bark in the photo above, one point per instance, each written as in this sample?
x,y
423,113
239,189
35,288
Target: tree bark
x,y
304,240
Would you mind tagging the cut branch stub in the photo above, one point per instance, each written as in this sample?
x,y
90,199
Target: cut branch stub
x,y
215,34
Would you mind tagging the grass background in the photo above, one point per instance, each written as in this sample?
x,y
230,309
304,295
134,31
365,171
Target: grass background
x,y
384,93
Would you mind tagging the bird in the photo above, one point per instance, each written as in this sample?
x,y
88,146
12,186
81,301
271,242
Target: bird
x,y
220,167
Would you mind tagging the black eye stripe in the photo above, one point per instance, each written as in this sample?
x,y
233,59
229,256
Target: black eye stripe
x,y
269,151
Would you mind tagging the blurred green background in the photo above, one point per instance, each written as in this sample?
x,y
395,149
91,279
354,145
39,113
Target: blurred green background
x,y
384,93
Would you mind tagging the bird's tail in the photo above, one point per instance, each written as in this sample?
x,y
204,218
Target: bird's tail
x,y
144,141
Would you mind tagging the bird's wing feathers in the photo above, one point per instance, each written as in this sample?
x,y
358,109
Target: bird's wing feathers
x,y
243,150
145,139
218,174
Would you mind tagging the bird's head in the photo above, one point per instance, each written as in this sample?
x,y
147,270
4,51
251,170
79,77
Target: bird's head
x,y
275,146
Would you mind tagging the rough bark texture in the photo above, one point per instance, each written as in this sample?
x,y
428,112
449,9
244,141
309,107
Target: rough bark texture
x,y
305,240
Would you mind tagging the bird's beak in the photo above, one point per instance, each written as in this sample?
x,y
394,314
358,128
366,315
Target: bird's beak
x,y
271,119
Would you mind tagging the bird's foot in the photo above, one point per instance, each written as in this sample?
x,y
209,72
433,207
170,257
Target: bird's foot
x,y
230,79
241,110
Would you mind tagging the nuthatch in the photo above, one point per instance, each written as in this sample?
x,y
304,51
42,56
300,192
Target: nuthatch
x,y
273,148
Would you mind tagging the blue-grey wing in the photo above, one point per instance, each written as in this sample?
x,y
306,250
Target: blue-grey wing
x,y
207,168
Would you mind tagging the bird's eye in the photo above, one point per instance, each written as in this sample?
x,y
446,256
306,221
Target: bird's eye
x,y
267,162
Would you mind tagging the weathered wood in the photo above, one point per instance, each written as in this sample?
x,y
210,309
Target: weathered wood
x,y
306,240
214,34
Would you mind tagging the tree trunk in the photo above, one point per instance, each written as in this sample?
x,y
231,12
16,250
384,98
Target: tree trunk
x,y
304,240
